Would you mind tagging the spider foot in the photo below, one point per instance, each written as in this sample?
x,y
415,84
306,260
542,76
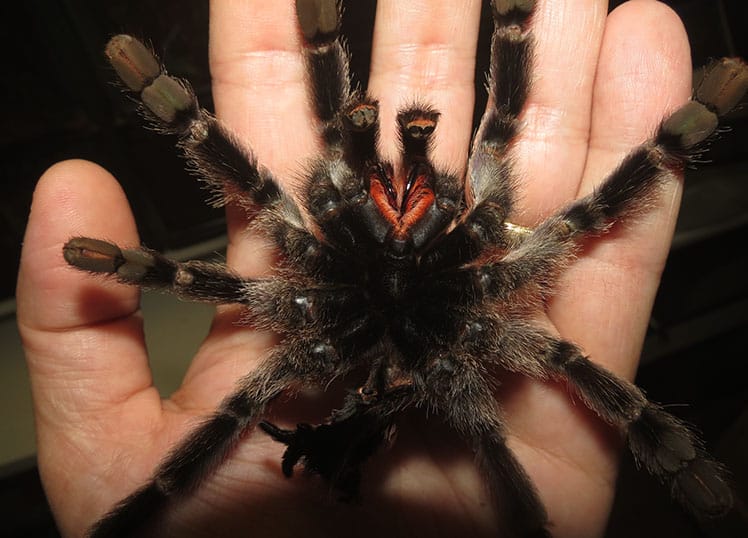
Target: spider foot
x,y
669,450
724,84
335,450
164,96
99,256
319,20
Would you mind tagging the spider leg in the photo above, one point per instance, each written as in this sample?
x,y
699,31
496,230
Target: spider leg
x,y
627,191
633,185
218,159
490,178
229,171
283,305
194,280
209,444
327,64
458,389
659,442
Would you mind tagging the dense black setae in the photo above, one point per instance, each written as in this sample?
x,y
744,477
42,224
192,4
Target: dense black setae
x,y
392,273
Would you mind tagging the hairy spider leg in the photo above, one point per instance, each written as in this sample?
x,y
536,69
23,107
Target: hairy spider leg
x,y
230,171
327,65
659,442
282,305
490,179
210,443
192,280
458,386
515,498
214,155
627,191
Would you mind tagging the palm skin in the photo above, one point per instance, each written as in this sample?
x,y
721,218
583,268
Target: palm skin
x,y
101,425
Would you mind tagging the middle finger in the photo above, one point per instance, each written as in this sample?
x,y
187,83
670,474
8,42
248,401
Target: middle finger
x,y
424,52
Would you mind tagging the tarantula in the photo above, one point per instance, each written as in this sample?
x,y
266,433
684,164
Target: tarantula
x,y
404,276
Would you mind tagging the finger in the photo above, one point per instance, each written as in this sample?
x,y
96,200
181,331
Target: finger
x,y
644,72
552,147
424,51
68,319
82,335
259,81
260,93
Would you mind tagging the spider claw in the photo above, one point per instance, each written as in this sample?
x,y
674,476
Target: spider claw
x,y
279,434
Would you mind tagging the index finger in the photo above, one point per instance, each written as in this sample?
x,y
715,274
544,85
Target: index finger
x,y
424,52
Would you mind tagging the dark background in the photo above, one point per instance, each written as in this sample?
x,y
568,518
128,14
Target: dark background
x,y
58,103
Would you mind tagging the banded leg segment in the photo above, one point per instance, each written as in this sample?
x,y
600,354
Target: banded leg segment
x,y
627,191
227,169
490,178
202,451
665,446
475,414
659,442
282,305
508,87
193,280
327,64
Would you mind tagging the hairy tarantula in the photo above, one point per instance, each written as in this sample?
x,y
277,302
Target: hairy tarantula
x,y
406,276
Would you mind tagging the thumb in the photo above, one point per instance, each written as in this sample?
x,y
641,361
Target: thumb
x,y
82,335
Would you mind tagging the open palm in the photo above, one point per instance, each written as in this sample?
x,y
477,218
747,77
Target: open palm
x,y
601,85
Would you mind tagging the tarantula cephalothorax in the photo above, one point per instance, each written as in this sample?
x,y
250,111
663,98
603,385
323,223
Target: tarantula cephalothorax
x,y
405,275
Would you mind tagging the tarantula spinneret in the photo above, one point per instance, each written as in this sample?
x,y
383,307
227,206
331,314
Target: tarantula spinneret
x,y
404,276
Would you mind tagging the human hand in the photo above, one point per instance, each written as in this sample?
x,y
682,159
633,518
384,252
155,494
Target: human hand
x,y
102,427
